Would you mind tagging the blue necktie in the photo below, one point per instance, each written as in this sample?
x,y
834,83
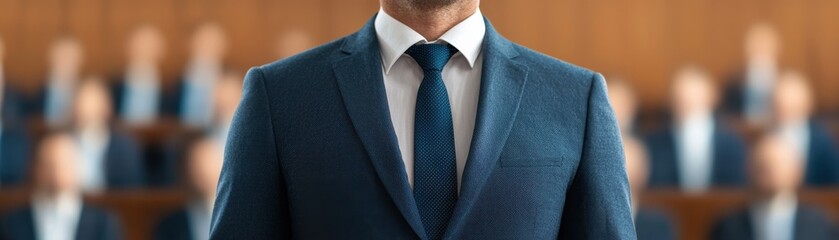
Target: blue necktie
x,y
435,167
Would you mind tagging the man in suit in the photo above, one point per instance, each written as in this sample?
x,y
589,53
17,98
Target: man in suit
x,y
57,210
748,94
695,151
793,106
425,124
137,93
650,224
14,141
191,100
203,166
109,159
55,98
776,172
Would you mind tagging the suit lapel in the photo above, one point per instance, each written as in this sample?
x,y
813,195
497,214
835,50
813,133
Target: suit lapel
x,y
359,75
502,84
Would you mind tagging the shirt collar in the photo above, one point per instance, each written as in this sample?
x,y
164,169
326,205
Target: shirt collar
x,y
395,37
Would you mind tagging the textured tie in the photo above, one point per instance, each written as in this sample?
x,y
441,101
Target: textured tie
x,y
435,169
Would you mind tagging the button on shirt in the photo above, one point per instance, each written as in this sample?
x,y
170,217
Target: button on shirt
x,y
402,78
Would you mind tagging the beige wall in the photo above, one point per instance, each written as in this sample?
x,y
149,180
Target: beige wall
x,y
642,40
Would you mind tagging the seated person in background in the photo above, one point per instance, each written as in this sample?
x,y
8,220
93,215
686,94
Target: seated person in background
x,y
774,212
192,100
57,209
748,95
227,97
10,98
624,103
696,150
649,224
137,92
54,101
203,167
793,107
108,159
14,141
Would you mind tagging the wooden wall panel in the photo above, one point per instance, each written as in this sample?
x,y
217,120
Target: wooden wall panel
x,y
642,40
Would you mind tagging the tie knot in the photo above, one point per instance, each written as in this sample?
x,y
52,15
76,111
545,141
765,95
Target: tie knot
x,y
431,57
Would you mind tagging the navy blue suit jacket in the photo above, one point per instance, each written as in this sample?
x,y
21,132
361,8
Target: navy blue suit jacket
x,y
729,163
822,157
175,226
810,224
94,224
652,225
124,166
312,153
15,149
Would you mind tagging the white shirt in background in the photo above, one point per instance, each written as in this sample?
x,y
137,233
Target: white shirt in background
x,y
141,95
760,81
200,218
695,152
199,89
402,78
798,136
56,218
92,146
774,219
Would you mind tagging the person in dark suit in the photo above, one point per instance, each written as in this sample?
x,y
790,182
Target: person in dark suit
x,y
137,93
425,124
748,93
109,158
57,210
776,172
203,166
55,98
650,224
793,107
191,100
696,150
14,140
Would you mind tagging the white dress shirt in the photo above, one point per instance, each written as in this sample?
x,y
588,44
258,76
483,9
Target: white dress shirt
x,y
142,94
695,152
199,89
56,218
402,78
92,146
59,98
798,136
760,80
775,219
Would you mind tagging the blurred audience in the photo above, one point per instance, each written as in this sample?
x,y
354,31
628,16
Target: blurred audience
x,y
226,99
749,92
813,143
10,99
293,42
696,150
65,66
649,224
194,96
57,210
14,141
108,159
203,167
624,102
776,170
137,92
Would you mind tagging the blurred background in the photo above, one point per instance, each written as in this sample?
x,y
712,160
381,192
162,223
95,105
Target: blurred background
x,y
115,112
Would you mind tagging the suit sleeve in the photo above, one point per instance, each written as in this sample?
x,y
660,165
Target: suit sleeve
x,y
597,201
251,197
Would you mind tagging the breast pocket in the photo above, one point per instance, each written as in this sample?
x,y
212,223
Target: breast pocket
x,y
532,162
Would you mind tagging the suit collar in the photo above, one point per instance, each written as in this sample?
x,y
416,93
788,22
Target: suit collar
x,y
358,70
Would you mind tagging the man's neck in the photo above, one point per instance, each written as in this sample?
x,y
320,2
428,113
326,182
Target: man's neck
x,y
432,23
